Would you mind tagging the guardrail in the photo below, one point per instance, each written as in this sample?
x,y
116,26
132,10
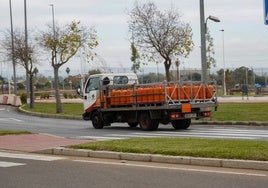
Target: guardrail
x,y
10,99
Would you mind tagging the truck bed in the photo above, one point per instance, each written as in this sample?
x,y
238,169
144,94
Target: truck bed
x,y
171,95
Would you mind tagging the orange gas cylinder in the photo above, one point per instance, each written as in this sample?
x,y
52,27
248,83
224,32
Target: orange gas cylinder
x,y
173,92
156,95
187,91
112,99
116,97
161,94
209,91
150,94
123,97
129,96
97,101
145,93
202,92
181,93
139,95
195,92
103,102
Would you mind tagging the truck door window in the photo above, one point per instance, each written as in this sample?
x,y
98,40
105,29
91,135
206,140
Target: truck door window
x,y
120,80
92,84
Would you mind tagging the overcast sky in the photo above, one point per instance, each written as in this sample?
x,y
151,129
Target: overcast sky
x,y
245,35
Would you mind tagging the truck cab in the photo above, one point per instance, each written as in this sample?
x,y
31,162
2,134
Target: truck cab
x,y
100,82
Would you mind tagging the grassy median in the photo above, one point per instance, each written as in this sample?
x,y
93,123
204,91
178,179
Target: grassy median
x,y
195,147
9,132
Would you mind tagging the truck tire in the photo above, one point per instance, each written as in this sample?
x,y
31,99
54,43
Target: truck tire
x,y
146,123
181,123
97,121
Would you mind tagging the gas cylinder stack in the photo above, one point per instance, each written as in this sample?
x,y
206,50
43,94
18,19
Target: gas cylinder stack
x,y
157,94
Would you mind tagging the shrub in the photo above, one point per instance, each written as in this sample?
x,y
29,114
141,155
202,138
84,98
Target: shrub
x,y
23,98
65,95
44,96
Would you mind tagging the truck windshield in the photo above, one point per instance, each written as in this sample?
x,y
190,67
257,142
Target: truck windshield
x,y
92,84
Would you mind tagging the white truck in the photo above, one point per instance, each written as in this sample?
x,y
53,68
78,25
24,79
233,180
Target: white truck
x,y
110,98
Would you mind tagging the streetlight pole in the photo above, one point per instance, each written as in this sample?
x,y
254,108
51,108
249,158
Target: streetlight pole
x,y
26,54
203,31
223,59
54,31
203,42
12,48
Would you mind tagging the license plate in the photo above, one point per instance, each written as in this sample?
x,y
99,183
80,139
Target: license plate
x,y
190,115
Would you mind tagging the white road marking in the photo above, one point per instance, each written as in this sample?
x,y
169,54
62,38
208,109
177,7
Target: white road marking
x,y
174,168
197,133
99,137
29,156
10,164
12,119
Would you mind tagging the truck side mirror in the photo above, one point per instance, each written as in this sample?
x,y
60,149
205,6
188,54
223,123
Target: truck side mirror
x,y
78,90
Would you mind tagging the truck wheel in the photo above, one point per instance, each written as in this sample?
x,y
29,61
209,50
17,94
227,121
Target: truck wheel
x,y
181,123
97,121
146,123
133,124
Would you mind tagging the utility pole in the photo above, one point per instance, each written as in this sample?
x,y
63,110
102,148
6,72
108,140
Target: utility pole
x,y
26,54
12,48
223,59
203,42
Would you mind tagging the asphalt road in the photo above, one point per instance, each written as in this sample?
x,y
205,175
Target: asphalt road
x,y
12,120
31,171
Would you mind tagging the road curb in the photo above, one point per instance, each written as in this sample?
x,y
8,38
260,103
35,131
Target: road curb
x,y
212,162
44,115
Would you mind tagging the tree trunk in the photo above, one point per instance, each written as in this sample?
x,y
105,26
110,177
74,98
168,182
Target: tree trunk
x,y
167,66
31,91
57,90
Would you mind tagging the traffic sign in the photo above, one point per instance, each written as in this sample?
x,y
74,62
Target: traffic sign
x,y
266,12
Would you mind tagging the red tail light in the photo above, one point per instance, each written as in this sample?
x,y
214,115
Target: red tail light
x,y
206,114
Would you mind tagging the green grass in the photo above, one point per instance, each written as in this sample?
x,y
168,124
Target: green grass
x,y
241,112
211,148
74,109
9,132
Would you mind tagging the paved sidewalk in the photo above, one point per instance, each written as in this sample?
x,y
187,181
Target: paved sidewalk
x,y
35,142
245,99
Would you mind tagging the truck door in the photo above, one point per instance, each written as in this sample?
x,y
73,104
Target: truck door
x,y
91,93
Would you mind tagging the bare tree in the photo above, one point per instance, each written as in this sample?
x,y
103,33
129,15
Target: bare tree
x,y
63,43
160,35
20,56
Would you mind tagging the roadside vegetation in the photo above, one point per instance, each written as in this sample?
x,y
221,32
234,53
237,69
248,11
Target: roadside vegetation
x,y
195,147
241,112
9,132
72,109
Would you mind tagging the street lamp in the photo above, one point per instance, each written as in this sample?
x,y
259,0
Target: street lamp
x,y
26,56
203,30
12,48
54,31
223,59
213,18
